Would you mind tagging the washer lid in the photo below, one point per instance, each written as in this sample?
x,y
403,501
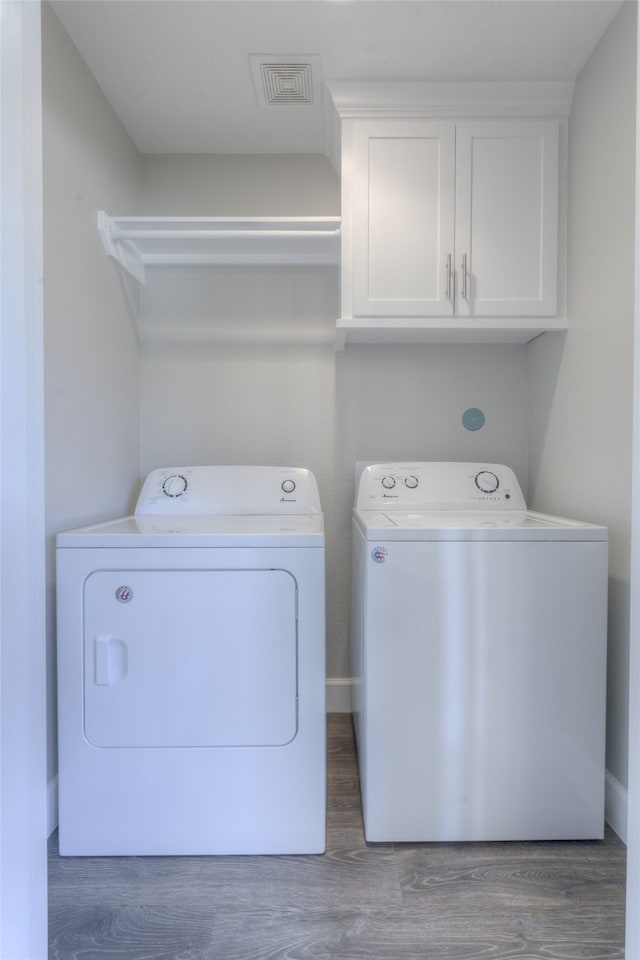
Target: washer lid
x,y
199,531
468,525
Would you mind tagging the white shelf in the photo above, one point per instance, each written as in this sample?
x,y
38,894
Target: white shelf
x,y
385,330
137,242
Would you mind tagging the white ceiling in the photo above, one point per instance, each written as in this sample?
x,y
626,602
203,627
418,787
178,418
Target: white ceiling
x,y
178,74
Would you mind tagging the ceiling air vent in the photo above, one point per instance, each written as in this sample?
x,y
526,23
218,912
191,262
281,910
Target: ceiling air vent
x,y
286,80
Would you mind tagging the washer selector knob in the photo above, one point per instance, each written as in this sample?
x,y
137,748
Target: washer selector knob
x,y
175,485
288,486
411,482
487,482
388,483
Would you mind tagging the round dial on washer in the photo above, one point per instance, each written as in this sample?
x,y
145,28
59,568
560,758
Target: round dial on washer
x,y
388,483
487,482
411,482
175,485
288,486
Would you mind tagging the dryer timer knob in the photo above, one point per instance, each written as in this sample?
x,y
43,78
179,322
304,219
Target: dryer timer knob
x,y
175,485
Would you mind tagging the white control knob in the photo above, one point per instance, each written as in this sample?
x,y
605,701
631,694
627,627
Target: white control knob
x,y
411,482
388,483
175,485
487,482
288,486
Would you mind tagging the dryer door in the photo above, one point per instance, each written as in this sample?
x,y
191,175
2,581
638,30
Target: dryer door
x,y
184,658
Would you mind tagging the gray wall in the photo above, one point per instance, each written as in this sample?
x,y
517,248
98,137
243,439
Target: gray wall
x,y
225,185
581,384
91,350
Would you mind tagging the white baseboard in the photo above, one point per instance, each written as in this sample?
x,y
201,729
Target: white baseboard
x,y
52,804
615,805
338,695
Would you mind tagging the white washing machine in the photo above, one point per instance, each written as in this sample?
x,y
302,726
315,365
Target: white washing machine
x,y
191,669
479,659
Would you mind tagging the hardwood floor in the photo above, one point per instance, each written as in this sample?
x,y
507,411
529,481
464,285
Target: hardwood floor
x,y
482,901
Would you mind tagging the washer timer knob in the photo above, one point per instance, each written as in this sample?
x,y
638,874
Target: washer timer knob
x,y
411,482
388,483
288,486
175,485
487,482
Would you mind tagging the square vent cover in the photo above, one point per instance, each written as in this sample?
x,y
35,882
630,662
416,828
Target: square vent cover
x,y
286,81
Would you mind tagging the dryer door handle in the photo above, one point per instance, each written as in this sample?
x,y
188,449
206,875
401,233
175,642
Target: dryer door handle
x,y
110,660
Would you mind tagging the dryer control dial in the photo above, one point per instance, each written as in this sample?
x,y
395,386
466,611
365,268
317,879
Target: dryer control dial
x,y
487,482
388,482
288,486
175,485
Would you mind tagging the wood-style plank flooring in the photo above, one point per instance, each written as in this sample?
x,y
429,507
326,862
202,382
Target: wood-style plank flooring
x,y
482,901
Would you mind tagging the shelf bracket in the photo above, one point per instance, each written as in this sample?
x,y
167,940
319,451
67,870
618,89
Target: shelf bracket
x,y
119,249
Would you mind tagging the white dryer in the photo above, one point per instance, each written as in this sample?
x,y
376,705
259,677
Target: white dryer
x,y
191,669
479,659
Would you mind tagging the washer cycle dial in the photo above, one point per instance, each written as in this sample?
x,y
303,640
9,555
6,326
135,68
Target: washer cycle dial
x,y
175,485
487,482
388,483
411,482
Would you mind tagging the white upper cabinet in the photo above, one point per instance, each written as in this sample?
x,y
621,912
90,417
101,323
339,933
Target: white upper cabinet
x,y
403,218
454,218
506,235
453,226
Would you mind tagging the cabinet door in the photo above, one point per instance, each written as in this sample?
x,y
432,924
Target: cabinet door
x,y
403,217
506,218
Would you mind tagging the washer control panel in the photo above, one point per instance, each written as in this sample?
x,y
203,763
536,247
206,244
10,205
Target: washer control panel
x,y
242,490
438,485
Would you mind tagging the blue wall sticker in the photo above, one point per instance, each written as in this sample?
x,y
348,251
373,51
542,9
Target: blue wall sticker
x,y
473,419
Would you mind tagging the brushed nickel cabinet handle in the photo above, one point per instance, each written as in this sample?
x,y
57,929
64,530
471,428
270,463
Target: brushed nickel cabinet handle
x,y
464,276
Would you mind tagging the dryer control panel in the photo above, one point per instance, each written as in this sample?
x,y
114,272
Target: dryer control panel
x,y
229,490
439,485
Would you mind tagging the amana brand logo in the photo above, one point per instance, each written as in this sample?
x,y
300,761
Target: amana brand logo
x,y
379,554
